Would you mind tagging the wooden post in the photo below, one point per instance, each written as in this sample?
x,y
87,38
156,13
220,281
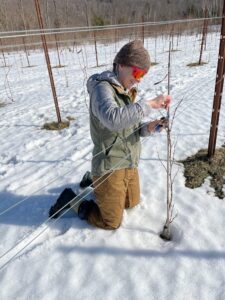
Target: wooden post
x,y
218,90
26,52
115,39
143,30
74,43
44,43
3,54
57,25
96,51
204,31
171,37
155,47
57,49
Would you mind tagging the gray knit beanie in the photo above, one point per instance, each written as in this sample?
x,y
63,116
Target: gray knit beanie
x,y
133,54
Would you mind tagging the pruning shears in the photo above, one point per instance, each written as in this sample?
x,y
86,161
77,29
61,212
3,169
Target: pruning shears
x,y
159,126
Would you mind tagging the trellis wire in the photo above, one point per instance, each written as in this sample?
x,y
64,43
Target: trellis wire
x,y
63,30
46,221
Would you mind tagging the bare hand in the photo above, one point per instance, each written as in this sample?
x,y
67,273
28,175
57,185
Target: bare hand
x,y
161,101
157,125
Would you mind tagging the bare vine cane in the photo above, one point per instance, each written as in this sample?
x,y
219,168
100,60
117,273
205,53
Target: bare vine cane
x,y
166,233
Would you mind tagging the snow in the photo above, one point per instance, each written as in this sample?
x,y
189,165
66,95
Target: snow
x,y
70,259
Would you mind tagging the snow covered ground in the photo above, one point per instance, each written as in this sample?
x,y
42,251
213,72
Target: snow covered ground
x,y
70,259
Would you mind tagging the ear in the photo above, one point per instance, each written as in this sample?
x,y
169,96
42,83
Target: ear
x,y
120,67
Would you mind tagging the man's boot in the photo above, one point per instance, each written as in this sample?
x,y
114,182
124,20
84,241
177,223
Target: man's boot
x,y
86,180
85,208
65,197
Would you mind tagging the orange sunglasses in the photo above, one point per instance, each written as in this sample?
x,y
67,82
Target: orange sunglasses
x,y
138,73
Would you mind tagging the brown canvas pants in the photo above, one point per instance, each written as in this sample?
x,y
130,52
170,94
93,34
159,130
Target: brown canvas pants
x,y
114,192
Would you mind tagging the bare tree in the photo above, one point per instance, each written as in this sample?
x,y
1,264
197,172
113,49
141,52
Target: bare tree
x,y
82,12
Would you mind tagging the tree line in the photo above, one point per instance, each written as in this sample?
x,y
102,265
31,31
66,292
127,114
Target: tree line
x,y
21,14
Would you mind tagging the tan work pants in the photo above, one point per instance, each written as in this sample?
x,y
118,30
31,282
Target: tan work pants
x,y
114,192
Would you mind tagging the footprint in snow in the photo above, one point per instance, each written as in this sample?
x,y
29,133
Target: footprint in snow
x,y
34,144
6,159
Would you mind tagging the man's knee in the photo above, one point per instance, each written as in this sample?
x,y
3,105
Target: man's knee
x,y
103,223
105,218
112,226
130,203
135,202
112,220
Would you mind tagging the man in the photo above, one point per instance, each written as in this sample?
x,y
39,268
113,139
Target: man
x,y
115,125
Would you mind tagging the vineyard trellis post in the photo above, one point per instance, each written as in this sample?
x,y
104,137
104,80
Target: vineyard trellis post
x,y
44,43
26,52
57,49
115,39
56,24
143,30
96,50
204,32
218,90
3,54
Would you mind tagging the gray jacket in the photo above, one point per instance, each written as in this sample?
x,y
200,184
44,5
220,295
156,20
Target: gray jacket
x,y
114,124
103,106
